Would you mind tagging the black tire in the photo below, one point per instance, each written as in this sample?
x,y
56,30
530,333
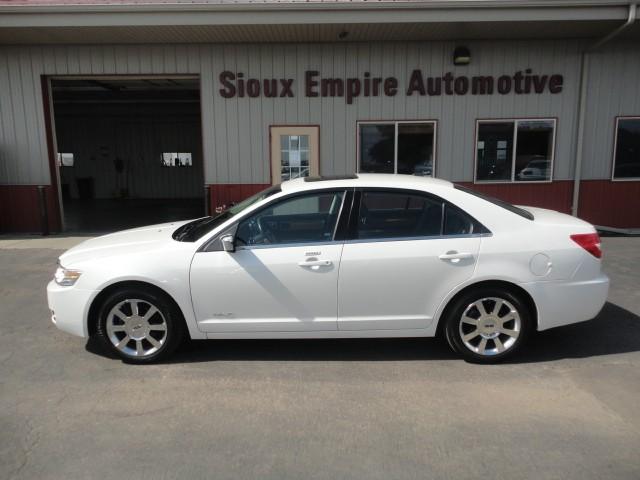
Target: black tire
x,y
167,316
488,327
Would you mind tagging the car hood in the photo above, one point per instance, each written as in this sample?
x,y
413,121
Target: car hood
x,y
131,241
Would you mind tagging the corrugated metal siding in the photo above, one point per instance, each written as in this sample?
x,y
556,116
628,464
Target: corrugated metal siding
x,y
614,90
236,130
456,115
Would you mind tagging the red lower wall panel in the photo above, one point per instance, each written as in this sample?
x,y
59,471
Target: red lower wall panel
x,y
228,193
602,202
20,209
554,195
610,204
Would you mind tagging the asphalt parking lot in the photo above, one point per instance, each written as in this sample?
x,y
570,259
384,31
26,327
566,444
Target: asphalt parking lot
x,y
569,407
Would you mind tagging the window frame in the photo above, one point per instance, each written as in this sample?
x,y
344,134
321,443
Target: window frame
x,y
354,214
515,122
345,210
615,149
395,140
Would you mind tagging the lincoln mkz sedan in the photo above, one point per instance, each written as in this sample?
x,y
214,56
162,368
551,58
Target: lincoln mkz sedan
x,y
362,256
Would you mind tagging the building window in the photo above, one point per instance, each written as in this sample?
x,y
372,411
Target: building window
x,y
294,151
405,147
515,150
626,157
176,159
65,159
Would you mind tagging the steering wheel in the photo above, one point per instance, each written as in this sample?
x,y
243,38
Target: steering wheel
x,y
265,233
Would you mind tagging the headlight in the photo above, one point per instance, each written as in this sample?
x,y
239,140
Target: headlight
x,y
66,277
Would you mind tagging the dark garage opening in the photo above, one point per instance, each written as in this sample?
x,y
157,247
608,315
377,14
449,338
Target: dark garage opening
x,y
130,151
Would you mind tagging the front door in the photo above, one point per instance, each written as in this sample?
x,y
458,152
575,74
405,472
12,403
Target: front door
x,y
405,258
283,276
294,152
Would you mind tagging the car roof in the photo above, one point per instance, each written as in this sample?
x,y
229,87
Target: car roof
x,y
379,180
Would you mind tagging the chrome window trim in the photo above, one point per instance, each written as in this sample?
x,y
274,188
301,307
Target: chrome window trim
x,y
410,239
365,240
288,245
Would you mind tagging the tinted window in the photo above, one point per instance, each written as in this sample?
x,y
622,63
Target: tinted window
x,y
627,155
501,203
398,214
456,222
377,148
494,151
300,219
400,147
534,150
515,150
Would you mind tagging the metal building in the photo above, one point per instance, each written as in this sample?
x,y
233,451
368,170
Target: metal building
x,y
114,113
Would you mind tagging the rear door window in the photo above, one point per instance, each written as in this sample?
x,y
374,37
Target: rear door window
x,y
388,214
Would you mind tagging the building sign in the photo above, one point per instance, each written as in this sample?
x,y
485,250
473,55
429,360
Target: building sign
x,y
521,82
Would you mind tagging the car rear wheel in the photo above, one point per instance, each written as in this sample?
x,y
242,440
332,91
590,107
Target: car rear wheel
x,y
488,325
139,326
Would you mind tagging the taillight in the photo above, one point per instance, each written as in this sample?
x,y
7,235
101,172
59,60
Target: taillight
x,y
590,242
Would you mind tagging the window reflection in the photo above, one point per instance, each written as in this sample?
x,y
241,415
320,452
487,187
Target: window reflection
x,y
530,159
534,150
377,148
415,148
397,147
627,155
494,151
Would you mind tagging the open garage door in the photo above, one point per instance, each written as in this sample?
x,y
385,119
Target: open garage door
x,y
129,151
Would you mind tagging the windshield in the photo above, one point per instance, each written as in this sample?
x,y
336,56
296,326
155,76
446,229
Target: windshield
x,y
192,231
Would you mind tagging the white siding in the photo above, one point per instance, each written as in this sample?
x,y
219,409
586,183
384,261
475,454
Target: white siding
x,y
235,130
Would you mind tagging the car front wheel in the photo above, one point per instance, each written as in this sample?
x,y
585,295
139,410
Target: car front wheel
x,y
139,326
488,325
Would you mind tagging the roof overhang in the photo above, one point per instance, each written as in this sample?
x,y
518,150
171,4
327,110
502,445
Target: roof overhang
x,y
90,22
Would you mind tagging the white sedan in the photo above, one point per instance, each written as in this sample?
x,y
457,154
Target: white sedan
x,y
361,256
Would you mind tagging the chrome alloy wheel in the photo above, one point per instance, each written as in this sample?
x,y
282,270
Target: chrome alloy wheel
x,y
136,327
490,326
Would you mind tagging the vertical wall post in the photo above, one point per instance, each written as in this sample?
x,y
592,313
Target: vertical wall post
x,y
44,213
207,200
582,105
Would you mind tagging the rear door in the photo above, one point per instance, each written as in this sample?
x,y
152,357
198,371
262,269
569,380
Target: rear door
x,y
405,252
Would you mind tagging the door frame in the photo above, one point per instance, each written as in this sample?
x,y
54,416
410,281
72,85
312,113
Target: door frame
x,y
271,159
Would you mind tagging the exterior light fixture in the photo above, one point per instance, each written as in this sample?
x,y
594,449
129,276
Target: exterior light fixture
x,y
461,56
343,34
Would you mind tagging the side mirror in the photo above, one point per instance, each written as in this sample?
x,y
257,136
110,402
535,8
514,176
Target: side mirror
x,y
228,243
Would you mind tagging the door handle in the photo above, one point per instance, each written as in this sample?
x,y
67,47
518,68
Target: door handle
x,y
455,257
315,264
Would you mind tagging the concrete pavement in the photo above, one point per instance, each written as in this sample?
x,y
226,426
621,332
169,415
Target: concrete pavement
x,y
567,408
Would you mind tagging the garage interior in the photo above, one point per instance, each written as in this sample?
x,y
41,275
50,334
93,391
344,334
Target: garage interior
x,y
130,151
